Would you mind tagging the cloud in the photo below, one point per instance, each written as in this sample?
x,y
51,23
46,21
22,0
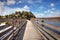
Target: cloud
x,y
45,11
8,10
38,15
1,3
2,7
52,13
34,1
49,11
19,2
56,13
52,4
41,7
4,10
53,9
41,14
26,7
38,1
10,2
4,13
30,1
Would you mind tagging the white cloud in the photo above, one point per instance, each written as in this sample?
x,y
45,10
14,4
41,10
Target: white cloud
x,y
48,10
41,7
56,13
5,13
26,8
40,1
38,15
1,3
52,13
53,9
52,4
30,1
41,14
12,10
19,2
8,10
36,1
2,7
45,11
9,2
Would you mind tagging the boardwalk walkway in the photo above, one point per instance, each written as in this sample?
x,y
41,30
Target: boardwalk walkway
x,y
31,33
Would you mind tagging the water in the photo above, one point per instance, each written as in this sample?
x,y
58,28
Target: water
x,y
57,32
52,23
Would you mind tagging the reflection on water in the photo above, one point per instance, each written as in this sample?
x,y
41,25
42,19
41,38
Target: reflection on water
x,y
53,23
52,30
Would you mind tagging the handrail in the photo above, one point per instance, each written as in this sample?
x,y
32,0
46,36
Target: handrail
x,y
5,35
3,30
51,26
47,33
9,32
47,37
2,24
10,37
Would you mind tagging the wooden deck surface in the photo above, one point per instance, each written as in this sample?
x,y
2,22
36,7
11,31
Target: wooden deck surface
x,y
31,33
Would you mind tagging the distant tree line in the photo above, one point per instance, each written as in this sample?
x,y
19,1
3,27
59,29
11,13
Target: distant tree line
x,y
23,15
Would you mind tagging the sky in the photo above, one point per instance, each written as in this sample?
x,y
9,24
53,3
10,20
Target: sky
x,y
40,8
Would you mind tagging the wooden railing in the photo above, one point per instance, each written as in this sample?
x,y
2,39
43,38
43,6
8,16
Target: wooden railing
x,y
49,28
7,32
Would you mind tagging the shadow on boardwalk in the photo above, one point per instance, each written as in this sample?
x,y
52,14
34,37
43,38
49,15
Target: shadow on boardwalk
x,y
21,33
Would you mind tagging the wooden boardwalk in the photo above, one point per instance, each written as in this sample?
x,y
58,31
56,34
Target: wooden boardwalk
x,y
31,33
35,29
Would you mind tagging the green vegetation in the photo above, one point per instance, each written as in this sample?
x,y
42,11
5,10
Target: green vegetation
x,y
23,15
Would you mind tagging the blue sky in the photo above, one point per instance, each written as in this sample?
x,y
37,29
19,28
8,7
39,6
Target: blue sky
x,y
40,8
